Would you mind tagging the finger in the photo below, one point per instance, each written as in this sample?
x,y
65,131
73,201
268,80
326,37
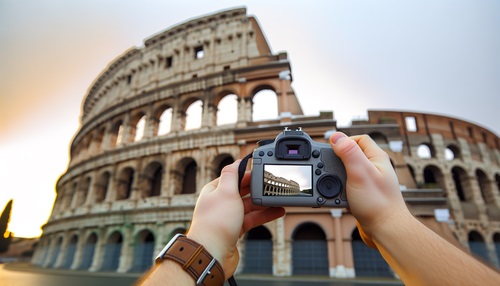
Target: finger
x,y
370,148
228,180
245,184
261,217
248,206
351,154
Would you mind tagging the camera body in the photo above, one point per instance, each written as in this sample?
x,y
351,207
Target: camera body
x,y
294,170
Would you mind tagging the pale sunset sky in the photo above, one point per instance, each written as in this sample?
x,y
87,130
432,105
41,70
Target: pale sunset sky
x,y
347,56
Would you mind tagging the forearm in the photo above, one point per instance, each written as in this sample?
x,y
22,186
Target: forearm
x,y
421,257
167,273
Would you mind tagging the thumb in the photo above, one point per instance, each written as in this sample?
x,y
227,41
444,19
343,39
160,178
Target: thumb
x,y
351,154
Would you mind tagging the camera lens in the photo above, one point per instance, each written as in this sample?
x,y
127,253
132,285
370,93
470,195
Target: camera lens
x,y
329,186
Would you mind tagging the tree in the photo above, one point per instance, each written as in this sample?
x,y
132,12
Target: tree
x,y
5,236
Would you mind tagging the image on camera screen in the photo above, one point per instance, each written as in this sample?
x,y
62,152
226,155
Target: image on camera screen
x,y
287,180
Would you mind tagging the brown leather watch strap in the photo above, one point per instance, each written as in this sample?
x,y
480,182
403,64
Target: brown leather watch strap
x,y
194,259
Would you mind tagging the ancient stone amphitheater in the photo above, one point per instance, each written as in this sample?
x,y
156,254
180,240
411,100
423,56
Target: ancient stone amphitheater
x,y
137,163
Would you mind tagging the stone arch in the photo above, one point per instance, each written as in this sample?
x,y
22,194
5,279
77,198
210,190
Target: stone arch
x,y
138,126
309,250
477,245
497,180
69,255
264,103
426,151
368,262
88,251
162,123
124,183
433,178
460,179
102,186
189,172
116,133
380,139
152,179
227,109
99,140
112,251
143,251
258,256
496,242
56,251
84,190
452,152
484,186
192,113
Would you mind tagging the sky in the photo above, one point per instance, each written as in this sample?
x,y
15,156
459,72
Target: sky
x,y
438,57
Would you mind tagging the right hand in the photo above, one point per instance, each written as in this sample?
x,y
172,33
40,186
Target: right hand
x,y
372,185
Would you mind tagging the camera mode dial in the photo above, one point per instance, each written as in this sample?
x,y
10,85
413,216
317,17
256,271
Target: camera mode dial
x,y
329,186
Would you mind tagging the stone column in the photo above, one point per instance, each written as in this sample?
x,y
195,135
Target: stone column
x,y
281,251
99,252
127,251
339,271
78,252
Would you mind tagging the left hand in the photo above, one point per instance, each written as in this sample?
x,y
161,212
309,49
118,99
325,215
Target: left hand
x,y
222,215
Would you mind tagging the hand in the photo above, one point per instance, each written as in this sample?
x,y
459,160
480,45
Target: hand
x,y
222,216
372,185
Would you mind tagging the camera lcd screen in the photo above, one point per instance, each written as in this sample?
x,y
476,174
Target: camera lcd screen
x,y
287,180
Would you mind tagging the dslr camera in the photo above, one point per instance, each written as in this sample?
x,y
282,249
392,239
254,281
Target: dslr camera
x,y
294,170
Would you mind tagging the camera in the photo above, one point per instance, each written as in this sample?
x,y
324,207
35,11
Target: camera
x,y
294,170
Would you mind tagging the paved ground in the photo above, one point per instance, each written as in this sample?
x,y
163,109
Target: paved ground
x,y
24,274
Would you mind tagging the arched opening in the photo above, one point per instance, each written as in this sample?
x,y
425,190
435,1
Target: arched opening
x,y
55,252
153,177
477,245
125,181
265,105
193,115
189,178
432,178
165,122
227,110
482,180
258,251
84,190
88,252
309,250
143,251
101,187
139,128
368,262
497,180
70,252
112,252
451,152
459,178
496,241
425,151
116,136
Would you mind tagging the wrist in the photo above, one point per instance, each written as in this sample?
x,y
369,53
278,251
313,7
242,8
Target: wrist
x,y
392,226
211,245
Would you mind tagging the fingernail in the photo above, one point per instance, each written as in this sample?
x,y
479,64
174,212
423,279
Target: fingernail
x,y
336,137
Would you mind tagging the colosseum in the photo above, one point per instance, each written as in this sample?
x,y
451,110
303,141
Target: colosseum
x,y
137,163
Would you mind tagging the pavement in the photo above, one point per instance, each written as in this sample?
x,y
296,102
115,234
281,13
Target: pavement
x,y
251,278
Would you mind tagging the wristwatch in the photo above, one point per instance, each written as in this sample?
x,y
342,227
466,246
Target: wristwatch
x,y
194,259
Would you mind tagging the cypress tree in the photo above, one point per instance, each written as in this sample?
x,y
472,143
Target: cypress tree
x,y
5,236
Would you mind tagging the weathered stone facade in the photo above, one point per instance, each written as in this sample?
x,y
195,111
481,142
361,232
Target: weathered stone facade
x,y
136,167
